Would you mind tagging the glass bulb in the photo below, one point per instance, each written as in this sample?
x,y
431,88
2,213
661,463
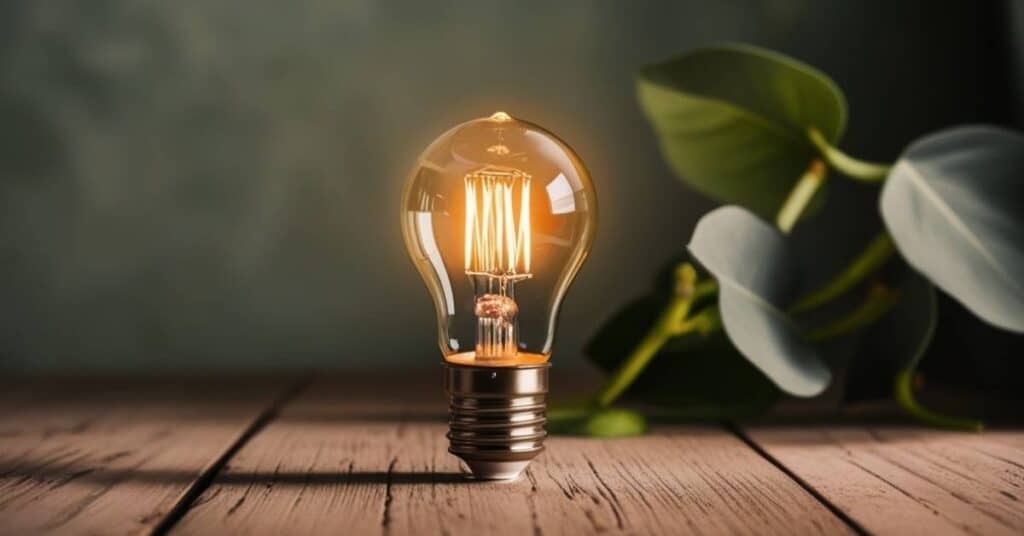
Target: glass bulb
x,y
498,215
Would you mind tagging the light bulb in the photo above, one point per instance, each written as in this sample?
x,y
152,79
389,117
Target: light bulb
x,y
498,216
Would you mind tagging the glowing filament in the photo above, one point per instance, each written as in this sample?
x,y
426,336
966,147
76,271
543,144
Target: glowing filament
x,y
497,248
496,243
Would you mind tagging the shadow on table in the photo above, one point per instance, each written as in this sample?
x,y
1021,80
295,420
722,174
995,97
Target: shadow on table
x,y
337,416
327,478
64,475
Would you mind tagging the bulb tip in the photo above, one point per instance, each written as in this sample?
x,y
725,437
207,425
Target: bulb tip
x,y
495,470
500,117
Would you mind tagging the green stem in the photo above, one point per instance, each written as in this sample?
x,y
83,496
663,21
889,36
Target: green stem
x,y
878,302
869,260
851,167
664,329
704,289
801,194
904,390
704,322
670,324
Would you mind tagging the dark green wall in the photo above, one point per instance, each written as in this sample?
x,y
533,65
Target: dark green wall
x,y
205,183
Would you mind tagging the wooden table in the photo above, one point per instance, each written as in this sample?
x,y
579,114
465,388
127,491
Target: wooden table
x,y
350,455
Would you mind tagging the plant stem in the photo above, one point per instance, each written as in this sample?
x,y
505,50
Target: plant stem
x,y
851,167
904,390
704,289
801,194
704,322
670,324
878,302
866,262
663,330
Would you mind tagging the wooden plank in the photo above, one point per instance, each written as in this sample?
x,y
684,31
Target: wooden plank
x,y
908,480
350,459
108,457
325,464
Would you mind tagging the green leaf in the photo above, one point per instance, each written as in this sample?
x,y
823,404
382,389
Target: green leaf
x,y
756,279
954,204
692,377
732,120
596,422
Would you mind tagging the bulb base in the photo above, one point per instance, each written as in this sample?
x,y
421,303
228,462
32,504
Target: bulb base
x,y
496,417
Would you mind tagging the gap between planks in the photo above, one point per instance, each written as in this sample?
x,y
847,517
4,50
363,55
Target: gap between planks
x,y
838,512
209,474
908,479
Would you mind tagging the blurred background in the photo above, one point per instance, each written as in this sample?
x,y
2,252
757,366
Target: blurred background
x,y
215,185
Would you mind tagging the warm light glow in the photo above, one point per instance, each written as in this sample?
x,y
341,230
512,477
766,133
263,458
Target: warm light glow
x,y
521,358
498,216
496,244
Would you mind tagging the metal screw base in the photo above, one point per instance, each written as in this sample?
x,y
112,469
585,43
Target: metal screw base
x,y
497,417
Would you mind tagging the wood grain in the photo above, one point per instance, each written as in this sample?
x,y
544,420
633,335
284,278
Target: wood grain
x,y
356,459
364,455
113,456
908,480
